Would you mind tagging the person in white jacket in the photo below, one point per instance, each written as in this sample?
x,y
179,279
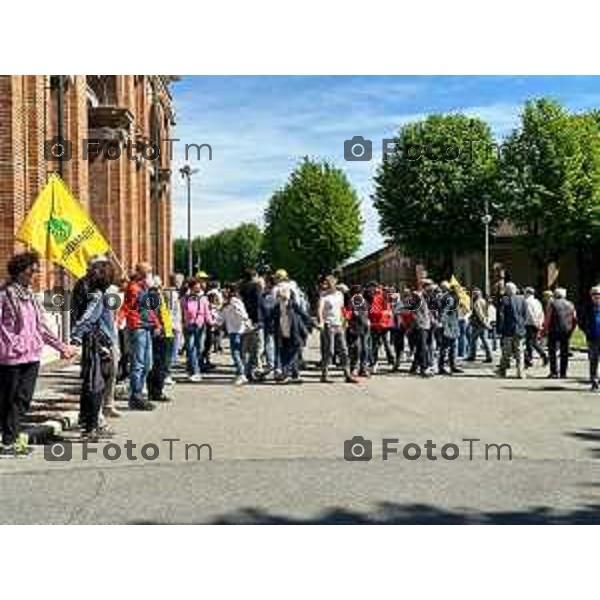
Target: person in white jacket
x,y
534,322
235,319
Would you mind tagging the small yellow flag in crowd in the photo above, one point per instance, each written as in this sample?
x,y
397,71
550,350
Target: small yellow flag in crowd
x,y
58,227
463,296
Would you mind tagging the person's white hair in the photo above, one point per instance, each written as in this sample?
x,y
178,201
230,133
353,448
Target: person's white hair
x,y
560,293
510,289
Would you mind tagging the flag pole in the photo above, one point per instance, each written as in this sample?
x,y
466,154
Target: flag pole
x,y
64,278
111,252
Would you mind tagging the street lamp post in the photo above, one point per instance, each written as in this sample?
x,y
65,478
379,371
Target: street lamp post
x,y
487,219
186,173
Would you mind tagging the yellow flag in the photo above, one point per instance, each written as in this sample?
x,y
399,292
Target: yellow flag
x,y
463,296
58,227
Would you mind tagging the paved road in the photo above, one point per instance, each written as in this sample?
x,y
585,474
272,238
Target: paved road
x,y
277,456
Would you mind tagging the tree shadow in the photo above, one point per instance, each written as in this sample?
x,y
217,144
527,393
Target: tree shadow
x,y
388,513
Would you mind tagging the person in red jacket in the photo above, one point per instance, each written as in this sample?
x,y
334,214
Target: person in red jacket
x,y
141,320
380,316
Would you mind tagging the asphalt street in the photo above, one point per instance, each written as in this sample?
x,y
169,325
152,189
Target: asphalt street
x,y
278,455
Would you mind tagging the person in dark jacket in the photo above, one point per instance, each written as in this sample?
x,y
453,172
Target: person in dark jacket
x,y
589,323
561,320
96,328
250,291
292,326
512,314
356,312
421,325
266,324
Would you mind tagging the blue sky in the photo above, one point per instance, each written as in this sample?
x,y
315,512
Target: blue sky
x,y
260,127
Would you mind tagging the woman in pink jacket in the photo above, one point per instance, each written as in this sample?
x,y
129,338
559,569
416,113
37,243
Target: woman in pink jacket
x,y
196,318
23,334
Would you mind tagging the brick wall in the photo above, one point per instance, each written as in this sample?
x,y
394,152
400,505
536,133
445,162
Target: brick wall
x,y
118,194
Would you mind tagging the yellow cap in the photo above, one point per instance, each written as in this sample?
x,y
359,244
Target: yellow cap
x,y
202,275
281,274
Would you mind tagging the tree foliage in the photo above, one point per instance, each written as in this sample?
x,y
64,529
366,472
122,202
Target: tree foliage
x,y
314,223
550,179
430,191
224,255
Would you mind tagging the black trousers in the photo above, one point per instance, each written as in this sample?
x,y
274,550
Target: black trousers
x,y
559,343
421,357
161,351
289,354
17,384
447,350
398,342
532,343
358,349
124,363
379,338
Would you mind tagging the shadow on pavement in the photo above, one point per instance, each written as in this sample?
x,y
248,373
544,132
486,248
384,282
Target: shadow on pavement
x,y
387,513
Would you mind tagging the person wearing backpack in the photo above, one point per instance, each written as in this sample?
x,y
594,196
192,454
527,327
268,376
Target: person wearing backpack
x,y
96,329
561,320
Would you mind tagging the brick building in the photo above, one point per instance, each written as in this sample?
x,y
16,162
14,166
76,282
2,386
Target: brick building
x,y
387,266
128,198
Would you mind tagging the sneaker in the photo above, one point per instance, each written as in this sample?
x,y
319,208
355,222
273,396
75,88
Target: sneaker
x,y
352,379
282,380
195,378
489,360
142,406
443,371
103,432
240,380
112,413
169,380
21,446
521,374
7,451
456,370
595,386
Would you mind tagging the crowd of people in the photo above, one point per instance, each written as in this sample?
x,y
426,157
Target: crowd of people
x,y
135,331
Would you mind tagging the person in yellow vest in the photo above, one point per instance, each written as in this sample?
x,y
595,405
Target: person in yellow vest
x,y
162,341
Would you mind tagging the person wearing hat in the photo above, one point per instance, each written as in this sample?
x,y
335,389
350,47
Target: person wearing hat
x,y
590,325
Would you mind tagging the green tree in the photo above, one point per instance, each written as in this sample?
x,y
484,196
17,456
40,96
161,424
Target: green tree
x,y
550,182
430,190
313,223
225,254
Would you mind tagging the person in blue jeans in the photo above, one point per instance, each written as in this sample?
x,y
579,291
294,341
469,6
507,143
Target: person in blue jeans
x,y
139,308
236,321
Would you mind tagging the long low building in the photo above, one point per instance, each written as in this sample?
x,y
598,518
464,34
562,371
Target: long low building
x,y
509,259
